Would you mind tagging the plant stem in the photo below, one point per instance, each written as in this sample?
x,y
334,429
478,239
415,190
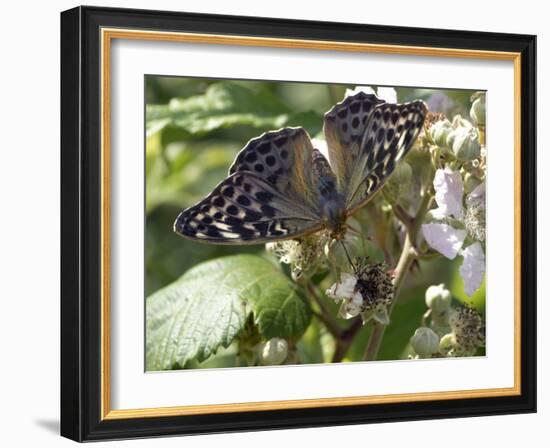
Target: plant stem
x,y
346,338
403,216
325,314
408,255
342,337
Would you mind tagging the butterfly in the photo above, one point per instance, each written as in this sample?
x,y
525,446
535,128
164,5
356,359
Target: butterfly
x,y
281,187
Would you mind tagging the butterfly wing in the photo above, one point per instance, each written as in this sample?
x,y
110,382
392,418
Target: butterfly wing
x,y
344,128
268,195
284,159
390,133
364,163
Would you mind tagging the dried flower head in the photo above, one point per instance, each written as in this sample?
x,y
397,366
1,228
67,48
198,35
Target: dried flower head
x,y
369,292
304,255
474,221
374,283
468,329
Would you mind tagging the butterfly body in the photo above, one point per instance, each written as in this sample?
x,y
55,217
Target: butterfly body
x,y
333,215
281,187
332,203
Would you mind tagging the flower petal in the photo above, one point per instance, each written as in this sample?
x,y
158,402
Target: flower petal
x,y
438,213
472,269
348,310
449,190
477,196
344,289
445,239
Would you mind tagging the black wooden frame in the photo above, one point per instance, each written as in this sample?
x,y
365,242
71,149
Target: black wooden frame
x,y
81,207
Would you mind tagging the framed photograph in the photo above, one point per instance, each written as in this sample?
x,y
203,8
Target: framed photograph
x,y
275,224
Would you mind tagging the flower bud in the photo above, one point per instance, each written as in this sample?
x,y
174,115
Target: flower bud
x,y
464,142
425,342
460,122
477,111
274,351
440,131
438,298
447,344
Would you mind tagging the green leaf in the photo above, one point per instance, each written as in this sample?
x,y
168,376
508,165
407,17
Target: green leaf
x,y
207,307
186,172
223,105
405,319
316,346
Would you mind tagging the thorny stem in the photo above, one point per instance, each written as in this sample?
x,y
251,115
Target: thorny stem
x,y
408,256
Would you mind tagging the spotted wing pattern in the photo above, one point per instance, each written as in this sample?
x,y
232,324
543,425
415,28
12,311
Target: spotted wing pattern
x,y
284,159
390,132
344,128
269,195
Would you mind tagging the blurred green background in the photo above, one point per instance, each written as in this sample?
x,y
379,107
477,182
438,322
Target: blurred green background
x,y
194,129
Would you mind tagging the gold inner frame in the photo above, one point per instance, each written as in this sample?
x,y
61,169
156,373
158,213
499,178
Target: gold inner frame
x,y
107,35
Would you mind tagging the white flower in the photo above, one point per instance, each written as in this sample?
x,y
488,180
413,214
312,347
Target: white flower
x,y
473,267
388,94
443,238
368,293
447,240
449,191
349,310
345,289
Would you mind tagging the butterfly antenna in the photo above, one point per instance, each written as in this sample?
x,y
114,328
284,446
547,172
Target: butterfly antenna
x,y
353,230
348,257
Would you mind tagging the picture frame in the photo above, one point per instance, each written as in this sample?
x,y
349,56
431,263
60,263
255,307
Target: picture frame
x,y
87,35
